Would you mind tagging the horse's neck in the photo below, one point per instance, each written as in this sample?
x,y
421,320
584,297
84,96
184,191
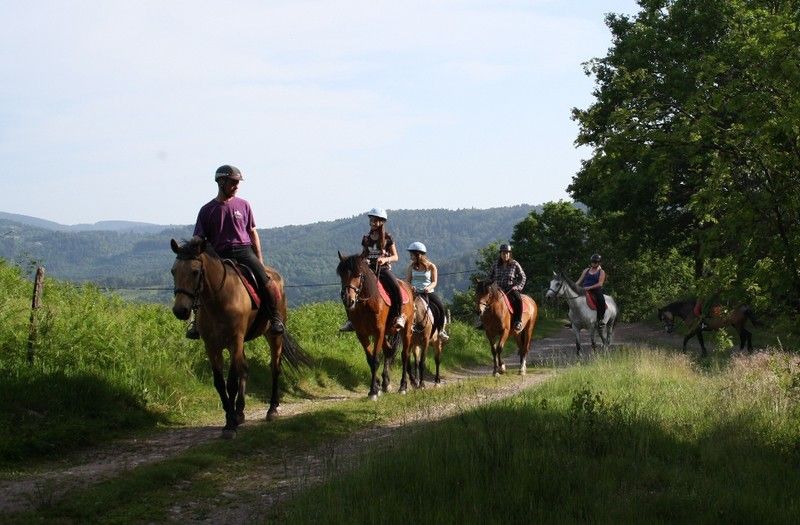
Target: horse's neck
x,y
214,275
569,293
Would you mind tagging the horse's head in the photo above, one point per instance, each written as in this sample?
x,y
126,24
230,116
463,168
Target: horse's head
x,y
187,275
556,287
352,271
668,318
484,291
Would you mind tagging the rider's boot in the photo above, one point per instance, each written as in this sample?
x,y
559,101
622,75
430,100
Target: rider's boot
x,y
191,331
276,325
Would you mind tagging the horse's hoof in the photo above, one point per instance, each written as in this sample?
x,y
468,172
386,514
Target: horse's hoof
x,y
403,391
437,384
523,372
373,397
502,368
272,414
228,433
240,418
496,374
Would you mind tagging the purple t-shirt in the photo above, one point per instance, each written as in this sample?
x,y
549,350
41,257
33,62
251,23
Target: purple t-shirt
x,y
225,224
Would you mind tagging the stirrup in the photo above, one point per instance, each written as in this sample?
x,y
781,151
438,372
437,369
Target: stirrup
x,y
192,332
347,327
443,335
518,326
400,321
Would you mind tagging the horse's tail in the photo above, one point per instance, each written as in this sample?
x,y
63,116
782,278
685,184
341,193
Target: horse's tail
x,y
294,353
749,314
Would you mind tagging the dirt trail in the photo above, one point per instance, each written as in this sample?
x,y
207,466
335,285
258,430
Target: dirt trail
x,y
275,481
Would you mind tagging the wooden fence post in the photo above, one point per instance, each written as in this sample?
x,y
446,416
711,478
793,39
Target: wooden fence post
x,y
36,302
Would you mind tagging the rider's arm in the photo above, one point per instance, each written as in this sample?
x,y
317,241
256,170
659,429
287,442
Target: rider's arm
x,y
392,257
408,274
602,279
256,243
434,278
520,278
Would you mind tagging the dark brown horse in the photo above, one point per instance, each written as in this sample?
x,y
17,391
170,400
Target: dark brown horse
x,y
493,309
689,311
226,319
368,312
422,337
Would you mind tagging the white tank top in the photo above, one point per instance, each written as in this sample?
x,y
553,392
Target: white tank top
x,y
420,280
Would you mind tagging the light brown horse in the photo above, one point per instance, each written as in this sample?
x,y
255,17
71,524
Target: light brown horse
x,y
689,311
495,316
226,319
368,313
422,337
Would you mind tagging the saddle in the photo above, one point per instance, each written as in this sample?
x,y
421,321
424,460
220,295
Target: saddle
x,y
248,280
385,295
590,301
715,311
510,306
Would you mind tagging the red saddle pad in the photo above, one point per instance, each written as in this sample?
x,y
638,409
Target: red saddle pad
x,y
385,294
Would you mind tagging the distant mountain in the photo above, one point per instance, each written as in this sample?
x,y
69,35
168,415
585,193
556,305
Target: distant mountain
x,y
112,226
132,259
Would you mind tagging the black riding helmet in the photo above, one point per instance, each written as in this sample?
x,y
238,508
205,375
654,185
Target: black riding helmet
x,y
596,258
505,248
226,171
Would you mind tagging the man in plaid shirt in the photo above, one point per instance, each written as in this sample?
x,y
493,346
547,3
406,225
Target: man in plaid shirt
x,y
509,276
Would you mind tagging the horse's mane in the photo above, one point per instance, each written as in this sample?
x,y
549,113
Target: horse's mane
x,y
572,286
485,286
194,247
355,264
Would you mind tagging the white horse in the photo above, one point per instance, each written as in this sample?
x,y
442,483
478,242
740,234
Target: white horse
x,y
580,315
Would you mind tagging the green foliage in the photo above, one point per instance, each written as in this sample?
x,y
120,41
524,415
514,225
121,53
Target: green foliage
x,y
694,132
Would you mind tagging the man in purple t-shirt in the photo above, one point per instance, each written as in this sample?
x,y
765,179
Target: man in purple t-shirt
x,y
227,223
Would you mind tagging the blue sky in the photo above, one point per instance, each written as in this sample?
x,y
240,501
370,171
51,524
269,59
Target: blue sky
x,y
123,110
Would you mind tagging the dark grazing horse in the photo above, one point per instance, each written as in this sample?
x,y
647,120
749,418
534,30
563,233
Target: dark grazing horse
x,y
226,319
368,312
688,310
495,314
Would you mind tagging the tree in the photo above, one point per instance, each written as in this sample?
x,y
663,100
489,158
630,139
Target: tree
x,y
696,145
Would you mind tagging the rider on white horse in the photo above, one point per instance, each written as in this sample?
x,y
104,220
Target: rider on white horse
x,y
592,280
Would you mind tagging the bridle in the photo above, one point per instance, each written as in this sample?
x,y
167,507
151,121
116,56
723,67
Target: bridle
x,y
194,294
561,285
356,289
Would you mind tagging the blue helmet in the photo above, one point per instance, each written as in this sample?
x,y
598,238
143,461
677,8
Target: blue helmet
x,y
417,247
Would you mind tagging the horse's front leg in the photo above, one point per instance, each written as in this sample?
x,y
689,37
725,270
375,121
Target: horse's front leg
x,y
405,357
237,381
577,332
500,365
437,380
276,353
702,343
215,358
422,356
370,350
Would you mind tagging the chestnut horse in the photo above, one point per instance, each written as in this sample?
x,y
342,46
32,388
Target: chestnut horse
x,y
495,315
225,318
689,311
368,312
422,337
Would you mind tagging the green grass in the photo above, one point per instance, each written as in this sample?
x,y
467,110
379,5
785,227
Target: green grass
x,y
638,437
105,368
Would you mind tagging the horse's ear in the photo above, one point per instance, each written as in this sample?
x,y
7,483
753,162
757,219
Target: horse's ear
x,y
174,245
340,255
555,274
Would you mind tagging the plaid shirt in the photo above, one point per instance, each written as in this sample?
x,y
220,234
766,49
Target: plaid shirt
x,y
508,276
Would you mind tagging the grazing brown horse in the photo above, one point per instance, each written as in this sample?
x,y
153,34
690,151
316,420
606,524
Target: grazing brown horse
x,y
495,316
423,336
368,312
689,311
226,319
